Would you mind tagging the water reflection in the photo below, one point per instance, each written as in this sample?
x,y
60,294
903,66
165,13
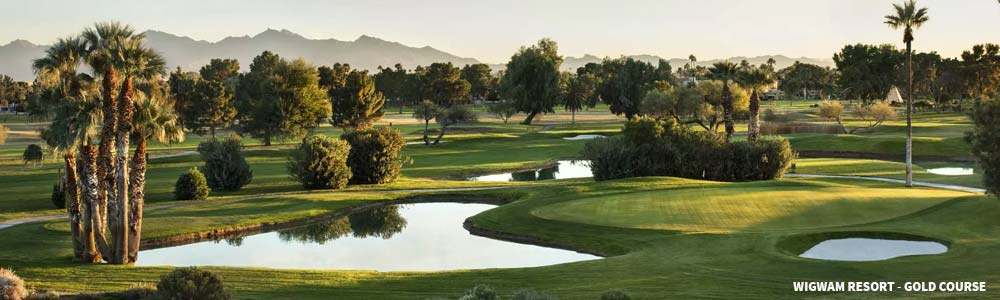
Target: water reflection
x,y
383,222
565,169
413,237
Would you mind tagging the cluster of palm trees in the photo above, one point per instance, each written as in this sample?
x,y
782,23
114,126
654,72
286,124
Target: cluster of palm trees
x,y
750,77
121,102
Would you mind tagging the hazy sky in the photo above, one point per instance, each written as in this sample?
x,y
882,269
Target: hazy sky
x,y
492,30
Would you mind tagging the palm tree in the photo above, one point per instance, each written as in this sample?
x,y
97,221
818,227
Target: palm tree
x,y
102,41
725,71
135,62
755,79
74,121
154,119
908,17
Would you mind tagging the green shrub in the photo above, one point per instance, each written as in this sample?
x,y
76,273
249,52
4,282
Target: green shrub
x,y
191,284
59,195
225,166
681,152
32,154
480,292
610,158
529,294
191,185
642,130
140,292
11,286
320,162
615,295
985,140
374,157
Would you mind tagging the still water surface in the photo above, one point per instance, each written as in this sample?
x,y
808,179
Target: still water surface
x,y
564,170
411,237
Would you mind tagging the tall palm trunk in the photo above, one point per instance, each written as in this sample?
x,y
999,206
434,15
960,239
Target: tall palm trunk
x,y
753,127
727,109
136,185
909,109
105,153
89,190
73,203
118,222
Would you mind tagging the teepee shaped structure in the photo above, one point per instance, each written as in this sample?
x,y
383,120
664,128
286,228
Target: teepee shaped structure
x,y
893,96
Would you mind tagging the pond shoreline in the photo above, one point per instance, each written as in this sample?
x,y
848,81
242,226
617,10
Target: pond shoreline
x,y
242,231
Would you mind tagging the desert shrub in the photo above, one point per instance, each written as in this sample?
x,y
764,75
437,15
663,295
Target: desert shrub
x,y
59,195
771,115
923,105
374,157
140,292
320,162
43,295
480,292
11,286
528,294
615,295
32,154
985,140
191,284
225,166
191,185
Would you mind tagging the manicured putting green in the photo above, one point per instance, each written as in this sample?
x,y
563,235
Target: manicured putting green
x,y
748,207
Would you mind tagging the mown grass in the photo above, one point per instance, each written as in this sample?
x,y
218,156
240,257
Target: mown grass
x,y
679,262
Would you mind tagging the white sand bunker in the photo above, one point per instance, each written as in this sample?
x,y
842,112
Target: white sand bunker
x,y
951,171
866,249
584,137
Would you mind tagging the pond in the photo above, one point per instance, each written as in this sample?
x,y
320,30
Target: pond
x,y
565,169
868,249
410,237
584,137
952,171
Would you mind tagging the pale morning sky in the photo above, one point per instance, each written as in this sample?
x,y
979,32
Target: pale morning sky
x,y
492,30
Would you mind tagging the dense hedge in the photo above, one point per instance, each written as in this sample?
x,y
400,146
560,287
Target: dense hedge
x,y
374,157
648,147
320,162
225,166
985,139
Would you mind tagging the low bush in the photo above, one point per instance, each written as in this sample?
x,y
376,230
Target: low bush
x,y
191,284
480,292
375,155
140,292
11,286
43,295
615,295
225,166
320,162
681,152
58,195
32,154
528,294
770,115
191,185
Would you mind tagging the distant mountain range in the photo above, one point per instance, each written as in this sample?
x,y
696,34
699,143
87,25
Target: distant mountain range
x,y
780,61
365,52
